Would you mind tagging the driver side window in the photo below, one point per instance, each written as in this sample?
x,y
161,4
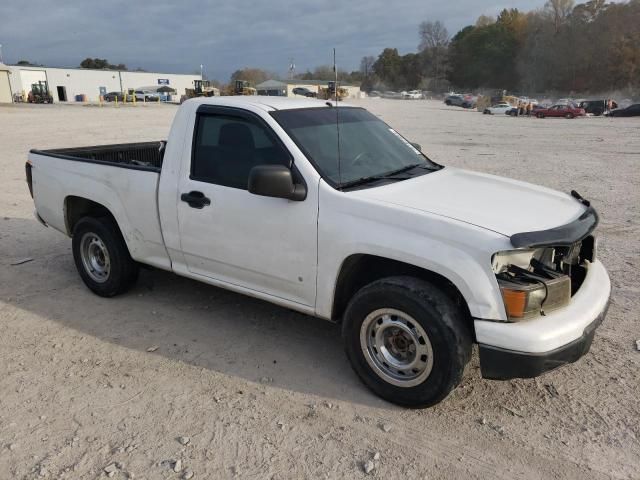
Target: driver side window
x,y
227,147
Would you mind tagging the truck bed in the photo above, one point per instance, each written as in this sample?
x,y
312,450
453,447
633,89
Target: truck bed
x,y
139,156
123,178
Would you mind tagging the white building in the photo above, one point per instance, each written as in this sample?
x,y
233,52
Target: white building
x,y
284,88
5,86
65,84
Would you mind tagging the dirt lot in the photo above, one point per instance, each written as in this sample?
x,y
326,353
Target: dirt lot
x,y
262,392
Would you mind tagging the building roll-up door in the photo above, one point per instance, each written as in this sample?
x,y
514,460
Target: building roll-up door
x,y
5,87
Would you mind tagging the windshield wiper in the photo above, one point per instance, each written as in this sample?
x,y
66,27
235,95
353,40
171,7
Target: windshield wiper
x,y
392,175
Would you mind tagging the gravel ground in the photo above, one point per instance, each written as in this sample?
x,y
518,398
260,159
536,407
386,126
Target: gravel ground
x,y
177,377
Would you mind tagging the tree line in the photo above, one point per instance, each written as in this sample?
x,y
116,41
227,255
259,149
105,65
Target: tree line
x,y
589,47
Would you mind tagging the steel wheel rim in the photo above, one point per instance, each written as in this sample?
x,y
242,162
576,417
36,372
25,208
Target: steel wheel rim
x,y
95,257
396,347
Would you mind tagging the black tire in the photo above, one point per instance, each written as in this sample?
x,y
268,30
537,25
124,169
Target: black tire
x,y
540,115
569,116
448,103
122,271
443,321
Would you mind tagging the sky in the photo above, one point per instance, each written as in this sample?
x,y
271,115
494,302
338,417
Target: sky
x,y
178,36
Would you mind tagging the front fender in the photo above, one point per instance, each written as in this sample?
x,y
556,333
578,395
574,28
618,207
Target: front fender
x,y
457,251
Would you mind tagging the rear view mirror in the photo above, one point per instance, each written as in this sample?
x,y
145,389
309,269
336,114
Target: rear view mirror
x,y
275,181
417,146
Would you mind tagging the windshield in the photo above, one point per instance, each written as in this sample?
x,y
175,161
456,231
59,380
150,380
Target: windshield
x,y
368,148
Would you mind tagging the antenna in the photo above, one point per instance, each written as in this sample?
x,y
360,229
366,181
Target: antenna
x,y
335,88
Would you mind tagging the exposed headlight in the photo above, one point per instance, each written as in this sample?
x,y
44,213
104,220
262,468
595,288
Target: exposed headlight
x,y
526,291
522,301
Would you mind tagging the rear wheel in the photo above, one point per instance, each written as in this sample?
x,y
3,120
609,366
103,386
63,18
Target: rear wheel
x,y
406,340
540,115
101,256
569,115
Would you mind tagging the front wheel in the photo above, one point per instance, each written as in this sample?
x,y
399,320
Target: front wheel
x,y
540,115
101,256
569,116
406,340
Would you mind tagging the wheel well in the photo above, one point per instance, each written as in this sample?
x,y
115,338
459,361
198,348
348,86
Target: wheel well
x,y
77,207
360,270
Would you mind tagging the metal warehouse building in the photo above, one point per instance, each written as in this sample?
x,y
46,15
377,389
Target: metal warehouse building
x,y
284,88
65,84
5,86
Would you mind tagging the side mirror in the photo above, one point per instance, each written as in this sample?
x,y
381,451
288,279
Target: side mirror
x,y
417,146
275,181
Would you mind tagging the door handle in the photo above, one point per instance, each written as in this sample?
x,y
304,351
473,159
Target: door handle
x,y
195,199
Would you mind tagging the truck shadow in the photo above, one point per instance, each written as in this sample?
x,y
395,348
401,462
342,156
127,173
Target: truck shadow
x,y
187,321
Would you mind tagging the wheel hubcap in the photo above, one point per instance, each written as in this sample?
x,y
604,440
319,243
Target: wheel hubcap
x,y
95,257
396,347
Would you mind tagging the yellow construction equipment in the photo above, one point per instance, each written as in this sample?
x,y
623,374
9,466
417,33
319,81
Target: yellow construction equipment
x,y
202,88
329,92
242,88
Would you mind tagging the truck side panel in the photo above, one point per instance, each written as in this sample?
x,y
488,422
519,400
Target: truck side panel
x,y
130,195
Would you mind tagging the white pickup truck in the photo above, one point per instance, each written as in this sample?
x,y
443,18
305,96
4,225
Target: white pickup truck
x,y
328,211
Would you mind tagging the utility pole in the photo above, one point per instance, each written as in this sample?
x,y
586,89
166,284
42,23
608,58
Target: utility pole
x,y
292,68
201,70
1,61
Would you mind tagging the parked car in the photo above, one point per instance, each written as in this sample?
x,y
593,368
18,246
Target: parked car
x,y
146,95
412,95
566,111
630,111
113,96
246,195
391,94
305,92
454,100
594,107
464,101
499,108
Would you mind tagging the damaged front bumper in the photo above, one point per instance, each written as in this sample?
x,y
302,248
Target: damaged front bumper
x,y
528,348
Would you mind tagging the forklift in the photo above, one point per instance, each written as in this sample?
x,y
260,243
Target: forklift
x,y
40,93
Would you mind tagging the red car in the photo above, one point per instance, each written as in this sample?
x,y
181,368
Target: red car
x,y
566,111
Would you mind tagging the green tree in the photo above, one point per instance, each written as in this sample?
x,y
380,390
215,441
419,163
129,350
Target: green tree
x,y
252,75
101,64
388,67
484,57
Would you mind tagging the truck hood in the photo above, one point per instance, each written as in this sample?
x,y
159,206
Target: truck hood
x,y
499,204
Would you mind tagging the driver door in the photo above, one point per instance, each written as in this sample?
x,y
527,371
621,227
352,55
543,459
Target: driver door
x,y
263,244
